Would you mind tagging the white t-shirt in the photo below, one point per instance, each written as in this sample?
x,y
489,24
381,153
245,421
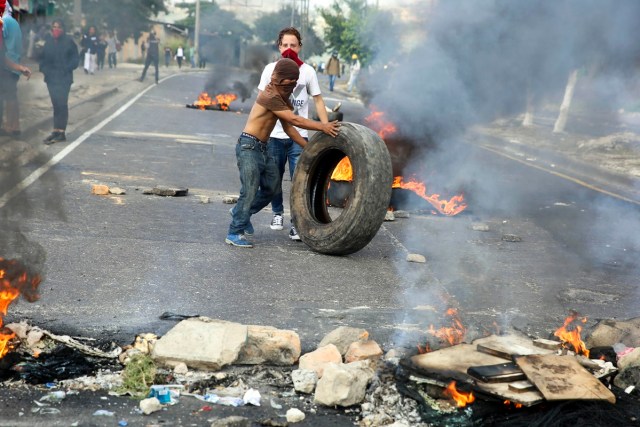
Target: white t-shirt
x,y
307,87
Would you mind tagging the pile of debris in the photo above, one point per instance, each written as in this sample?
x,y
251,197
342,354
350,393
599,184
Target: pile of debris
x,y
229,364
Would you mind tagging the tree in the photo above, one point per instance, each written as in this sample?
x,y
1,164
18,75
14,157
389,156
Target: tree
x,y
357,28
128,17
269,25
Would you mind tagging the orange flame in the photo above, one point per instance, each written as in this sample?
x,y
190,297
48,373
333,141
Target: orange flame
x,y
450,207
572,335
222,100
515,405
454,334
14,281
378,123
462,399
343,171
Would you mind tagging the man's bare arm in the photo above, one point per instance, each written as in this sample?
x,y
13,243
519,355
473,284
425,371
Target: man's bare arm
x,y
321,109
294,134
25,71
330,128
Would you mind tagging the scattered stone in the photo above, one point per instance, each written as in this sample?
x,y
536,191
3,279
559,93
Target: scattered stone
x,y
230,199
150,405
628,377
511,238
608,332
295,415
359,350
117,191
389,216
99,189
145,342
181,369
304,380
232,421
416,258
34,337
167,191
629,360
201,343
401,214
268,345
343,384
204,199
318,359
342,337
479,226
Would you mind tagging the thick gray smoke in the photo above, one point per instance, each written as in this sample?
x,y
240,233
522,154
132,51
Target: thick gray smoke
x,y
481,58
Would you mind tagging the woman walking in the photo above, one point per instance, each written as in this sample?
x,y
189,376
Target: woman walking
x,y
59,59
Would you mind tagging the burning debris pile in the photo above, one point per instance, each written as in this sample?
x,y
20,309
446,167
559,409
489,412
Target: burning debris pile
x,y
343,173
219,102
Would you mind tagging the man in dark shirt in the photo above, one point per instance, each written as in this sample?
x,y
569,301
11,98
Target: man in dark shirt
x,y
152,55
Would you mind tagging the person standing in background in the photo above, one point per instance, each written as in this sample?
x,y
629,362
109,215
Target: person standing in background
x,y
167,56
192,56
58,60
179,56
101,50
10,71
112,50
153,53
90,45
354,70
333,69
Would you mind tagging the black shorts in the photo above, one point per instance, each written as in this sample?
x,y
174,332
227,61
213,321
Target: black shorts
x,y
9,85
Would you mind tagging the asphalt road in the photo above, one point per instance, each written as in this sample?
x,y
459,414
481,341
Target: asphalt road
x,y
114,264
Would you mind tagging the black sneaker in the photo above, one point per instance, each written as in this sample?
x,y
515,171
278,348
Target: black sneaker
x,y
293,234
55,137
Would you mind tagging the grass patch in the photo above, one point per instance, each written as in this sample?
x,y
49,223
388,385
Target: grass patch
x,y
138,376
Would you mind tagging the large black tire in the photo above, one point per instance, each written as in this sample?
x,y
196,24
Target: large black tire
x,y
365,210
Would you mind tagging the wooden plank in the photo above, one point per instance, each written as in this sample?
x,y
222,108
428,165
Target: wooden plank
x,y
453,362
563,378
508,346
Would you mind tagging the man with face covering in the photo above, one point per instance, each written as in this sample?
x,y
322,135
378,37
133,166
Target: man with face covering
x,y
259,174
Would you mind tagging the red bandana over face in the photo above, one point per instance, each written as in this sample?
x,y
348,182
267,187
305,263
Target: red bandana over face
x,y
275,97
291,54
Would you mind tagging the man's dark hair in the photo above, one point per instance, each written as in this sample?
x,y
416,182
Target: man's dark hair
x,y
289,31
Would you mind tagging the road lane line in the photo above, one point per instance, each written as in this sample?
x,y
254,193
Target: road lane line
x,y
563,176
35,175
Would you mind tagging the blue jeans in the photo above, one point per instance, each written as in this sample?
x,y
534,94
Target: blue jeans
x,y
281,150
259,180
332,81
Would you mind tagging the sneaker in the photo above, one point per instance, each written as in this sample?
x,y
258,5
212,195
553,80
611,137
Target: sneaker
x,y
238,240
55,137
276,222
248,231
293,234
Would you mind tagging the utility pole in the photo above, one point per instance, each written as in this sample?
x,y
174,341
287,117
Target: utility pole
x,y
77,14
196,36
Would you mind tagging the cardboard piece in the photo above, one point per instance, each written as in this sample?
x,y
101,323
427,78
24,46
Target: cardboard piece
x,y
508,346
453,362
563,378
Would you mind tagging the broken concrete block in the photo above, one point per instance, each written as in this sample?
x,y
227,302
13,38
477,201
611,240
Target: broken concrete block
x,y
389,216
230,199
318,359
416,258
99,189
167,191
401,214
181,369
608,332
201,343
344,384
150,405
478,226
511,238
342,337
363,350
304,380
269,345
117,191
204,199
232,421
295,415
629,360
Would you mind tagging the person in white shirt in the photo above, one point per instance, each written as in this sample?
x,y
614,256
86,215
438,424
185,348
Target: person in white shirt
x,y
280,146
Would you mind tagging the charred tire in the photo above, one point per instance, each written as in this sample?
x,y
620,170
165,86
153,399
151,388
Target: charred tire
x,y
371,190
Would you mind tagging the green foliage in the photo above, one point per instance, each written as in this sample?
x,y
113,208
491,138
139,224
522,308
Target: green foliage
x,y
215,21
269,25
357,28
138,376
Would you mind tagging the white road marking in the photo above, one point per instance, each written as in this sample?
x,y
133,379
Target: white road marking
x,y
33,177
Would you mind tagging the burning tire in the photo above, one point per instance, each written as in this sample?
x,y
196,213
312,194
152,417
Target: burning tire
x,y
364,212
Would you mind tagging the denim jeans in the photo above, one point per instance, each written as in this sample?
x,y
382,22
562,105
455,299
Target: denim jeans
x,y
259,179
332,81
282,150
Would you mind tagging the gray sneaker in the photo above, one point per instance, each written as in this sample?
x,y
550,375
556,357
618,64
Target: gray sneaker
x,y
276,222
